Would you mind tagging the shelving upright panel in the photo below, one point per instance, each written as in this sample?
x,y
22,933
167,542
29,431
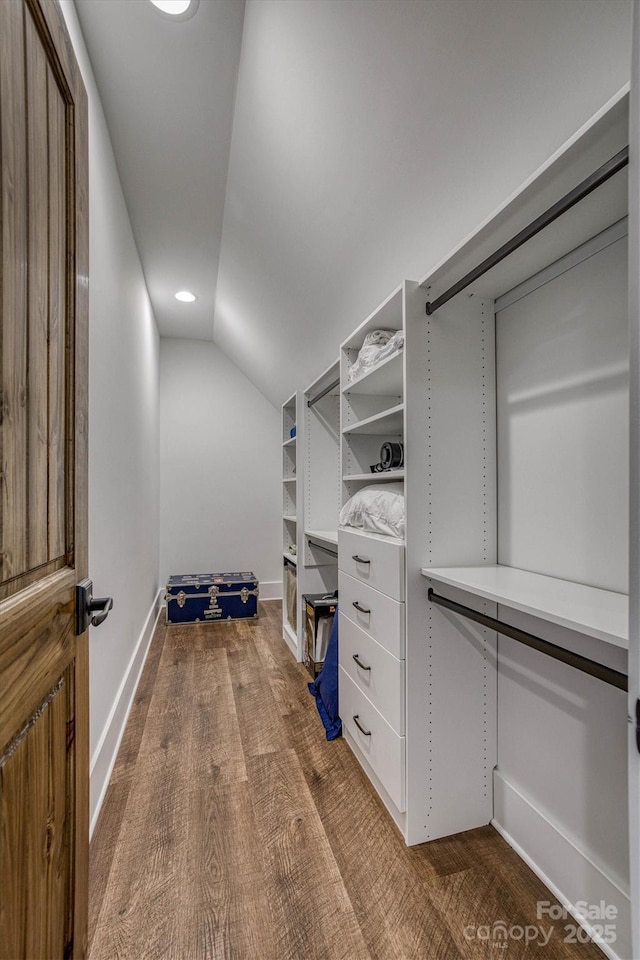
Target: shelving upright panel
x,y
291,523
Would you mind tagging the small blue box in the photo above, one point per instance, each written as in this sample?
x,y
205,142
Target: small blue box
x,y
209,597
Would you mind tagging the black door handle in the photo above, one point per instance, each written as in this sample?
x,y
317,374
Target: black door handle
x,y
360,559
361,609
100,607
89,609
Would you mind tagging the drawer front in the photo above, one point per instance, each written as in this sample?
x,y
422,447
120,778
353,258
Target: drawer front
x,y
378,615
380,744
375,561
375,672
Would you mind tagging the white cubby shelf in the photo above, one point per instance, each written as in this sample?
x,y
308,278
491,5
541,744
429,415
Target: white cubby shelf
x,y
387,422
386,378
386,475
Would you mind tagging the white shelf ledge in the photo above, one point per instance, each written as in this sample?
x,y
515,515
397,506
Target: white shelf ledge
x,y
588,610
290,556
329,537
290,442
383,380
288,479
388,421
290,518
376,477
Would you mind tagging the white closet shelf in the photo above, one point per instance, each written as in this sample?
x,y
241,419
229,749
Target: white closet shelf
x,y
288,479
588,610
387,422
289,518
385,379
376,477
290,442
290,556
323,536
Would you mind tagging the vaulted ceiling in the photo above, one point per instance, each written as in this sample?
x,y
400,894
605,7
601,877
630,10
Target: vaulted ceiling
x,y
293,161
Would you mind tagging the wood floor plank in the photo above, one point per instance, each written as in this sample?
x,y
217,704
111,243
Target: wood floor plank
x,y
314,918
260,723
217,744
231,912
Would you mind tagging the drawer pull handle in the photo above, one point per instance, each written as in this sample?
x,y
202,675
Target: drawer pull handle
x,y
367,733
360,663
360,559
361,609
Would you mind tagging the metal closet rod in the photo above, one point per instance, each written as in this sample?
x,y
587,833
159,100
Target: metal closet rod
x,y
318,546
323,393
613,677
592,182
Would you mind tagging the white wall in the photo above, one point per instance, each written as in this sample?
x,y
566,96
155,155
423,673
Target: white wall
x,y
123,441
563,425
563,451
220,468
370,138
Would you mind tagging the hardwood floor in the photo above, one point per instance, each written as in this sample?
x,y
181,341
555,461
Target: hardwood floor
x,y
232,829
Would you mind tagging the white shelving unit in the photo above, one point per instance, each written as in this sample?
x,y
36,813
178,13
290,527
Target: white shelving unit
x,y
372,568
432,772
451,690
516,386
373,408
291,522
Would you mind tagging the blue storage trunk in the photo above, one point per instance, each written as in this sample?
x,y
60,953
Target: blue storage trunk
x,y
205,597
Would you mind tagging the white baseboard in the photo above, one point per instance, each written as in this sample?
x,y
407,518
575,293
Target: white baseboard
x,y
569,873
105,754
271,590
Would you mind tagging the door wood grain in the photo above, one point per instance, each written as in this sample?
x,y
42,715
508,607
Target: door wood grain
x,y
44,718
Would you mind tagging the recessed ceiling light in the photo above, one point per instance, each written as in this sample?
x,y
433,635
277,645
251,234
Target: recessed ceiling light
x,y
177,9
185,296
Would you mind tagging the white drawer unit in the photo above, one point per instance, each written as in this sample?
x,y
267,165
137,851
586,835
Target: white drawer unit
x,y
375,672
378,742
374,560
378,615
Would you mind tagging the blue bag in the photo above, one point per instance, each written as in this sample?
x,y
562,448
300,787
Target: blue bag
x,y
325,686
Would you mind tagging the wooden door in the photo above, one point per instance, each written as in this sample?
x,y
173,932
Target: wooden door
x,y
43,486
